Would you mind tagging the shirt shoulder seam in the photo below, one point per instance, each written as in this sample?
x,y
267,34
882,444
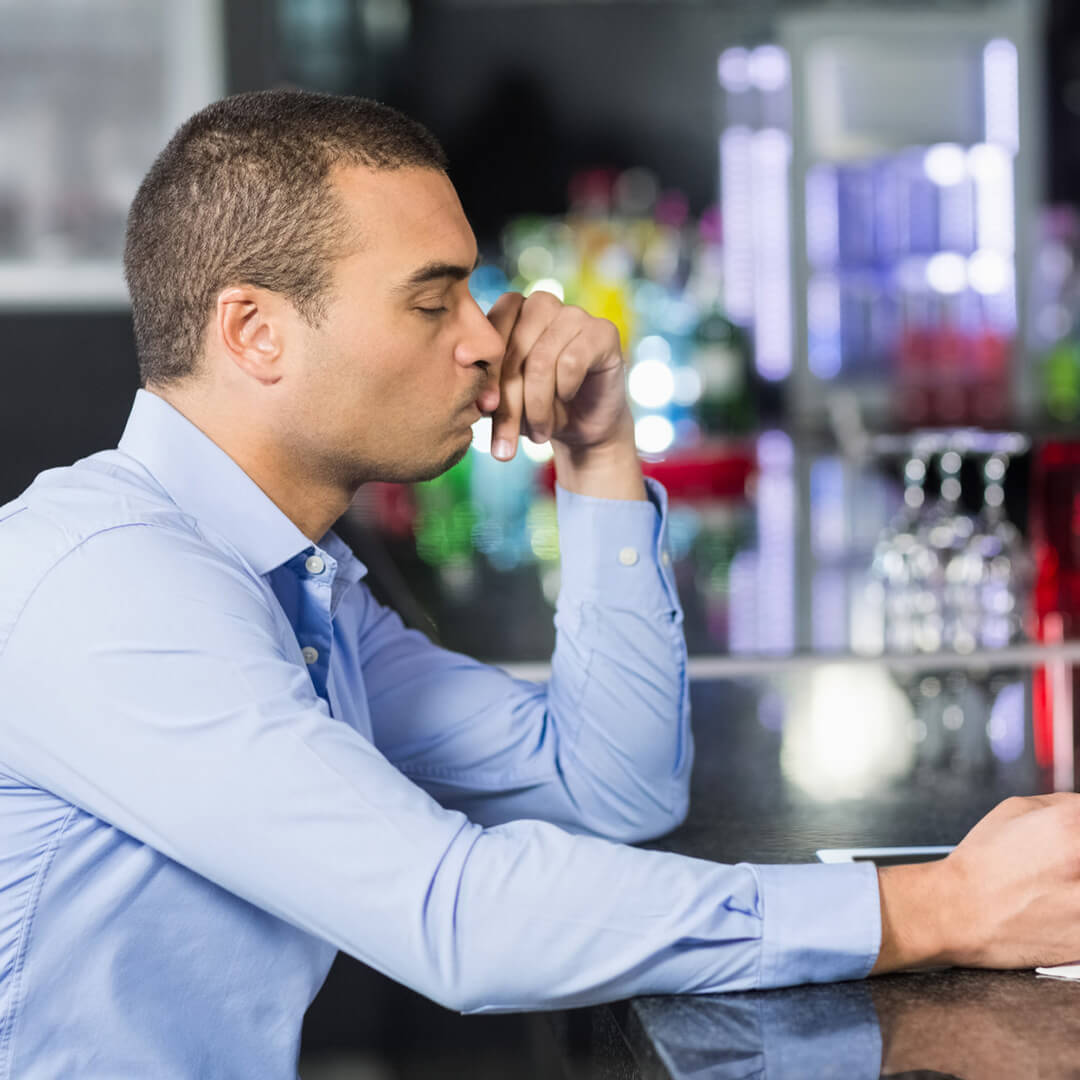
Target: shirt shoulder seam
x,y
62,558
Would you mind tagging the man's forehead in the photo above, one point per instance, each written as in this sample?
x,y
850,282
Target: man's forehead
x,y
392,200
402,220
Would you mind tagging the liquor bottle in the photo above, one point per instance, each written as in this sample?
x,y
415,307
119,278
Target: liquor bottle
x,y
446,518
501,494
720,351
1061,379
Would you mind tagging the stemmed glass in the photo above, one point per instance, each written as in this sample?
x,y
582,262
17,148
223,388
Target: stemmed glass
x,y
951,580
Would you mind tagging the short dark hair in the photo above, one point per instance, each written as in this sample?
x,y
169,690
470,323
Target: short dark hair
x,y
241,195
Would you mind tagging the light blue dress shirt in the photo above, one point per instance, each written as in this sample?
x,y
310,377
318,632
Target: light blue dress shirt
x,y
221,761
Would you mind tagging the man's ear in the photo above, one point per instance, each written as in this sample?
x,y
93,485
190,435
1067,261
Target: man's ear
x,y
250,324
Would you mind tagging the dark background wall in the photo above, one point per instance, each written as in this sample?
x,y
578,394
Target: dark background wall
x,y
525,95
68,381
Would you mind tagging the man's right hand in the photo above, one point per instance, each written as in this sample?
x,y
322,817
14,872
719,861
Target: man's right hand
x,y
1007,897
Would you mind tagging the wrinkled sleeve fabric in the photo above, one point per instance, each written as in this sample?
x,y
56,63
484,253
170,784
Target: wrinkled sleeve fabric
x,y
604,746
148,681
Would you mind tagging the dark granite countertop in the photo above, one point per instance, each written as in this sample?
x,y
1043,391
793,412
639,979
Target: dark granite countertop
x,y
760,795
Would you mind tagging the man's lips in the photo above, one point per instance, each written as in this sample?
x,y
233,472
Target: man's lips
x,y
472,413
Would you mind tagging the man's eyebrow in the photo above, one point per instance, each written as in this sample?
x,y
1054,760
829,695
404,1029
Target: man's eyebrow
x,y
432,271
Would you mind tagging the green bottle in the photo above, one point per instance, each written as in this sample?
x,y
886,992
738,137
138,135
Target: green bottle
x,y
721,353
445,517
1061,379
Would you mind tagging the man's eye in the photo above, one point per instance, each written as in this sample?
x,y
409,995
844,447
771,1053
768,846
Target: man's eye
x,y
432,310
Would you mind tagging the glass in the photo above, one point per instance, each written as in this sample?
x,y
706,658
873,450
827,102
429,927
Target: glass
x,y
953,580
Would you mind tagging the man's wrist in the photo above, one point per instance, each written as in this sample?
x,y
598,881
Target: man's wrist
x,y
610,470
917,924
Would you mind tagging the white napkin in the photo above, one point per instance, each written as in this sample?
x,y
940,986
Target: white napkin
x,y
1060,971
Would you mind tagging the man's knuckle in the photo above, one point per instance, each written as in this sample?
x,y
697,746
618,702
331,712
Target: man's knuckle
x,y
542,299
575,358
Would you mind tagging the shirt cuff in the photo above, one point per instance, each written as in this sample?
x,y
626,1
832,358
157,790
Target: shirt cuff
x,y
617,549
821,922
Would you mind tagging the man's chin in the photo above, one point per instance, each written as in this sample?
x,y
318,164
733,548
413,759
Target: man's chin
x,y
416,473
447,463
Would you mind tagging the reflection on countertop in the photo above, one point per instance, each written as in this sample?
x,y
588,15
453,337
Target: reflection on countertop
x,y
961,1024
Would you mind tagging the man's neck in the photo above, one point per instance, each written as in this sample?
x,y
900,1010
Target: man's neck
x,y
312,507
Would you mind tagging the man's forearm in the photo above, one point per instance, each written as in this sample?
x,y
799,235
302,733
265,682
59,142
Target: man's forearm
x,y
611,471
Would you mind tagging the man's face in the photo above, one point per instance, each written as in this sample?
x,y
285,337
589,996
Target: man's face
x,y
404,361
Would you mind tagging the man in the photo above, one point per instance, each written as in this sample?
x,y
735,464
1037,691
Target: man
x,y
221,761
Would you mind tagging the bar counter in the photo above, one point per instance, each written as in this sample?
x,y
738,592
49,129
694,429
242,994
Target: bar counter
x,y
868,668
750,802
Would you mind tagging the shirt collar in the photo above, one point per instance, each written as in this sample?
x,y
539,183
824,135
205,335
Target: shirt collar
x,y
205,482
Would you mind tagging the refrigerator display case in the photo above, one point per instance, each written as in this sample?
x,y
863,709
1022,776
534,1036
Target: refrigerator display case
x,y
880,171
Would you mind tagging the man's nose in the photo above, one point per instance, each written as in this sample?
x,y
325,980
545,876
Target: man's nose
x,y
483,347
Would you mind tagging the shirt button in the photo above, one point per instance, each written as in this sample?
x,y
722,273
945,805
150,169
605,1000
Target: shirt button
x,y
628,556
666,559
314,564
310,655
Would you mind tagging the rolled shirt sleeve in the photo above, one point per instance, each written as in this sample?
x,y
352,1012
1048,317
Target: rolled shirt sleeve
x,y
604,746
627,718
